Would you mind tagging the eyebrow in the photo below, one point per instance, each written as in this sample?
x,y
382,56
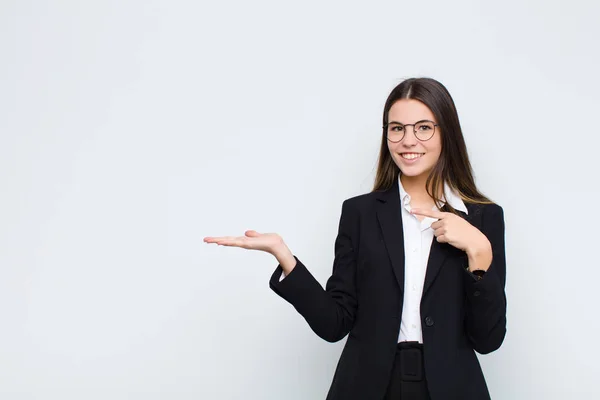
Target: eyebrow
x,y
400,123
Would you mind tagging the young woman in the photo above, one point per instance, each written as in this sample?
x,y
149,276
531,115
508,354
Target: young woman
x,y
419,270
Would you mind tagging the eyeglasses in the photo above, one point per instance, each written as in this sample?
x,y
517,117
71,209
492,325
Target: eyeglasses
x,y
424,130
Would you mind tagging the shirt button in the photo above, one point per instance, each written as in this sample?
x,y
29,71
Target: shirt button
x,y
414,249
428,321
414,326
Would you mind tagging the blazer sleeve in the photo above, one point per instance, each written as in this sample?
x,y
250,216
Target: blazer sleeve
x,y
486,298
329,312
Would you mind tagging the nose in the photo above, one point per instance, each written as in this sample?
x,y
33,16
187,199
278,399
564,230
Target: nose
x,y
409,139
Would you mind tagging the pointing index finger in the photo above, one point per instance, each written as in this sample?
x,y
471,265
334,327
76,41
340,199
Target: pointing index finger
x,y
428,213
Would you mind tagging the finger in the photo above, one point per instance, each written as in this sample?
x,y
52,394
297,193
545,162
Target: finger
x,y
223,240
230,243
437,224
234,241
428,213
442,239
439,232
211,239
217,238
251,233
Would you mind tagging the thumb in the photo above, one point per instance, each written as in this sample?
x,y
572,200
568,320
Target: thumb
x,y
252,233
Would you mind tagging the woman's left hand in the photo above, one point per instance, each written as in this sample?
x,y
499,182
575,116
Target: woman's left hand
x,y
458,232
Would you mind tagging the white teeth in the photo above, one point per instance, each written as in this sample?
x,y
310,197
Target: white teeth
x,y
411,156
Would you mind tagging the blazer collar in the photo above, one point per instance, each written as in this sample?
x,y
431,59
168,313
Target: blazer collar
x,y
449,196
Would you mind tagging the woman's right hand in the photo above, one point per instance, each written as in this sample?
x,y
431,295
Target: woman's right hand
x,y
271,243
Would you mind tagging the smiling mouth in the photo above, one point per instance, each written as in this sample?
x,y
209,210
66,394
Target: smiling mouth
x,y
411,156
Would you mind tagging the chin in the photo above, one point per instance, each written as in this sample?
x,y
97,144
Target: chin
x,y
411,172
414,171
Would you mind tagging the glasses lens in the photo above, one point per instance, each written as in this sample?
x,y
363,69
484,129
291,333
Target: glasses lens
x,y
424,130
395,132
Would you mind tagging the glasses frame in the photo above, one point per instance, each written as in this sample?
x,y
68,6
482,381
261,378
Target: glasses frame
x,y
385,127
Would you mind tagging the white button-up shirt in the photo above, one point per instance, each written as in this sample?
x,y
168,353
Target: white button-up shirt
x,y
418,237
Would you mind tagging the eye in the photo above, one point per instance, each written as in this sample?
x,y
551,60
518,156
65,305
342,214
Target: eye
x,y
397,128
424,127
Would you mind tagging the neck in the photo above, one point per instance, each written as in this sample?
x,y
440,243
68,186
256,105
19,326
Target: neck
x,y
415,186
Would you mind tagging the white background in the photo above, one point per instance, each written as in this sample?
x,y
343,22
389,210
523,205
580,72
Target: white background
x,y
130,130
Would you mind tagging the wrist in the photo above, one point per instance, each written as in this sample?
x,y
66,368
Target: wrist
x,y
479,248
480,256
285,258
280,250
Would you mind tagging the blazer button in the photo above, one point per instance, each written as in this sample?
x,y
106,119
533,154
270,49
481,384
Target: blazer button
x,y
428,321
476,293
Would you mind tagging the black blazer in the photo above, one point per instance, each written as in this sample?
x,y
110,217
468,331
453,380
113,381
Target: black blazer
x,y
364,295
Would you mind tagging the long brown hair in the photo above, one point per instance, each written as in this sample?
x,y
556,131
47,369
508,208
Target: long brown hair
x,y
453,166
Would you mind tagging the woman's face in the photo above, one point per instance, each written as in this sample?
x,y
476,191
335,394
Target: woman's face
x,y
413,156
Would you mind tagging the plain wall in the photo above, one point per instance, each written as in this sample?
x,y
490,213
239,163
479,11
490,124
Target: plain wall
x,y
130,130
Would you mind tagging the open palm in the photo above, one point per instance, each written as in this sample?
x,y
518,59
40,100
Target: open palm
x,y
252,240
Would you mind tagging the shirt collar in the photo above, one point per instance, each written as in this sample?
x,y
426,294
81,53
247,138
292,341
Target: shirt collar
x,y
449,195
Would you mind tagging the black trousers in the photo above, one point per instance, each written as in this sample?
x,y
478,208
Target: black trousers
x,y
408,376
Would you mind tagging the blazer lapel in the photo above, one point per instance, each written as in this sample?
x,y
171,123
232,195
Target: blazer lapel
x,y
390,221
437,256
